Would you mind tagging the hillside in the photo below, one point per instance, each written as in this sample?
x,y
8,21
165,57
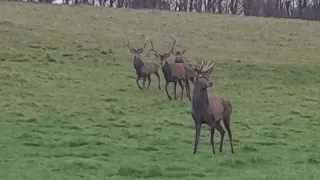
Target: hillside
x,y
70,107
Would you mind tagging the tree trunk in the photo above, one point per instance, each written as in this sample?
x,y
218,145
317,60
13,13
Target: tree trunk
x,y
220,7
209,4
191,6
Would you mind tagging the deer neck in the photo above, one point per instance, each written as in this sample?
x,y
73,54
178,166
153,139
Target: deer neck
x,y
200,101
137,62
179,59
166,70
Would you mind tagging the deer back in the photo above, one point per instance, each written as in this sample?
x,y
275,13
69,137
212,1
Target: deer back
x,y
149,67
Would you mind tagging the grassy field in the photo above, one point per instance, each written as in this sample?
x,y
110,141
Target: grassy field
x,y
70,108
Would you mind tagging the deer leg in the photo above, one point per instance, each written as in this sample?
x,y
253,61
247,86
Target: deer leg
x,y
221,131
196,141
191,79
226,122
157,74
175,90
137,80
166,88
212,127
149,79
182,88
144,81
188,89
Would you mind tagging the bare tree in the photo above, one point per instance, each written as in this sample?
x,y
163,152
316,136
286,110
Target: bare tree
x,y
220,6
120,3
233,6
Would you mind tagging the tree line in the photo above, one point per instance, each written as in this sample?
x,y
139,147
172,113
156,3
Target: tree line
x,y
296,9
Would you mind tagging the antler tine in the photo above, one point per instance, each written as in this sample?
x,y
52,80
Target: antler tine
x,y
145,44
201,66
184,51
174,43
152,49
128,43
211,65
207,65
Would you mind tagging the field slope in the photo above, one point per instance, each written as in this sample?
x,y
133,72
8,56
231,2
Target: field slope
x,y
70,108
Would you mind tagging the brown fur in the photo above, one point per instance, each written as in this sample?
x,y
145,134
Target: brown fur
x,y
173,72
179,58
144,70
209,110
149,68
177,70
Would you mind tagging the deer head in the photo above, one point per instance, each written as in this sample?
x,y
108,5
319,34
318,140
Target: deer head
x,y
138,50
202,76
162,56
176,53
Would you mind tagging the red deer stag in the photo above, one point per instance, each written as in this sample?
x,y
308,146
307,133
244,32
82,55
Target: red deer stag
x,y
178,54
144,70
173,72
209,110
180,59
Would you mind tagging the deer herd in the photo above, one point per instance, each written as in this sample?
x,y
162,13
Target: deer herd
x,y
205,109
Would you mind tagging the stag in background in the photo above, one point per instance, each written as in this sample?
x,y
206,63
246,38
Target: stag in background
x,y
144,69
179,58
173,72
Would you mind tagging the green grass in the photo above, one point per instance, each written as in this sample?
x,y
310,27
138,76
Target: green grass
x,y
79,114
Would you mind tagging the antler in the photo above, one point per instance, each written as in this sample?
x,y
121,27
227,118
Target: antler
x,y
199,68
174,43
184,51
145,44
152,49
173,46
209,66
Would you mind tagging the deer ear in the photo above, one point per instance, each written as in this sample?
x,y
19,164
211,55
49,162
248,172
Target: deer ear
x,y
183,51
167,55
140,50
132,50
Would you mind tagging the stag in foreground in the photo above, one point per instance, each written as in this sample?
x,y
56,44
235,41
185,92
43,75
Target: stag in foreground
x,y
209,110
144,70
173,72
